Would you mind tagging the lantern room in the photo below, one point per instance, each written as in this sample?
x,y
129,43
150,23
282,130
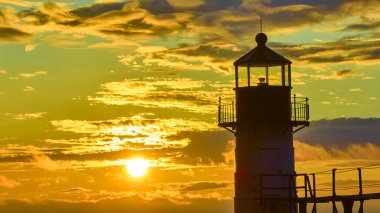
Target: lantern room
x,y
262,67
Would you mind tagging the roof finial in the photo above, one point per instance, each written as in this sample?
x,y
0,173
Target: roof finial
x,y
261,38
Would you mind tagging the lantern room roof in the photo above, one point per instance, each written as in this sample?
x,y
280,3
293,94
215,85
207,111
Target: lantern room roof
x,y
261,56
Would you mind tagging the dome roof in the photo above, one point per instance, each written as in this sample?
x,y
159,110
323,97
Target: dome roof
x,y
261,56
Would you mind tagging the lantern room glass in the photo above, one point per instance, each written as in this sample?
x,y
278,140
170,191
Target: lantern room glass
x,y
263,76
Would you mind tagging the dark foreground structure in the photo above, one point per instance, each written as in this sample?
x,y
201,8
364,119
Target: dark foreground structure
x,y
263,117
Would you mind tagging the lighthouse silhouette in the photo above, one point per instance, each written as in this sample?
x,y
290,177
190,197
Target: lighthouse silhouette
x,y
263,118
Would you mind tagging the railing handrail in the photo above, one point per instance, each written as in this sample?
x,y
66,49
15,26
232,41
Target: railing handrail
x,y
226,112
299,110
307,188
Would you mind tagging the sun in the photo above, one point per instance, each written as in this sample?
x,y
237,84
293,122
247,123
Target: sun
x,y
137,167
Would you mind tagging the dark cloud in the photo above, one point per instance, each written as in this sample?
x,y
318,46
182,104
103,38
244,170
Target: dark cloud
x,y
97,9
108,155
296,18
324,3
344,72
341,132
219,53
205,186
179,96
205,147
225,19
357,48
217,5
133,204
157,6
50,12
164,7
79,189
363,26
12,34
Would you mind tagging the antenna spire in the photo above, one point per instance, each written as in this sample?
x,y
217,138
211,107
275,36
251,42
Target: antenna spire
x,y
261,24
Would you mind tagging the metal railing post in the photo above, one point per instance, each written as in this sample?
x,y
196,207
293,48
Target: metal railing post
x,y
219,108
335,210
261,187
307,109
305,183
233,111
360,191
290,192
315,194
249,75
294,105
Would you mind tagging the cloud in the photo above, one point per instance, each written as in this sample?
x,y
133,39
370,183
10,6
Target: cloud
x,y
307,152
22,3
133,126
176,141
181,93
210,56
125,136
344,72
42,161
133,204
200,20
190,143
148,49
29,47
98,9
8,182
198,23
363,26
357,49
341,132
106,1
28,89
186,4
12,35
25,116
207,147
205,186
78,189
48,12
33,74
355,90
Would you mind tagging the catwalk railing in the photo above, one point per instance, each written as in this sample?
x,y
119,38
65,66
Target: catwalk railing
x,y
300,109
299,115
226,112
290,192
303,192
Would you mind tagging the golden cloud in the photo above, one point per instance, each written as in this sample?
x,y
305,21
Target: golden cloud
x,y
8,182
25,116
180,93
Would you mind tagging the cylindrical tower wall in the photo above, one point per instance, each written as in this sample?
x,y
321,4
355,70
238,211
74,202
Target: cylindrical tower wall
x,y
264,145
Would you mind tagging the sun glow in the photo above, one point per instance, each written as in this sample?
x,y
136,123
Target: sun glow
x,y
137,167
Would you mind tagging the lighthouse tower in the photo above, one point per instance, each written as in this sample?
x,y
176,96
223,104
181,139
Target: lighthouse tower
x,y
263,118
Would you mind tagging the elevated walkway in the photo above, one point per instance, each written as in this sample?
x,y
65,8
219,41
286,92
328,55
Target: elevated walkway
x,y
299,116
299,196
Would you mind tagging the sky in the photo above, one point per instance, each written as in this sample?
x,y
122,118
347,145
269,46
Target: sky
x,y
88,86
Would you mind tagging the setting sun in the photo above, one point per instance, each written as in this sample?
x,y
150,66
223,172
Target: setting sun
x,y
137,167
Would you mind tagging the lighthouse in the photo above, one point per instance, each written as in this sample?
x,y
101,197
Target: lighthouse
x,y
263,117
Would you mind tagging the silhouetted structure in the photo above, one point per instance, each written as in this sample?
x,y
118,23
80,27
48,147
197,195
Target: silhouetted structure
x,y
266,114
263,119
